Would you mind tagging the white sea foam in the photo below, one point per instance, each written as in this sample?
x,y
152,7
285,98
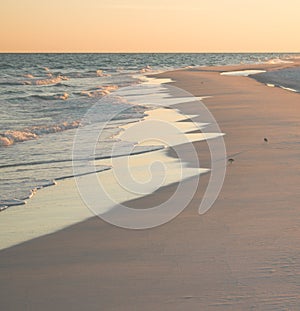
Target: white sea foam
x,y
276,61
10,137
241,73
12,202
3,207
282,87
288,89
154,81
100,73
101,91
51,80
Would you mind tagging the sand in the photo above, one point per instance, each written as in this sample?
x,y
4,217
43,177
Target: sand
x,y
54,208
243,254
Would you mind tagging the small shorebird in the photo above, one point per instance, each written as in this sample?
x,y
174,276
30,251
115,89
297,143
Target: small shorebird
x,y
266,139
230,161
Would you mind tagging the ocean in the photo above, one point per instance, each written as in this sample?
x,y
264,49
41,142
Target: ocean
x,y
44,98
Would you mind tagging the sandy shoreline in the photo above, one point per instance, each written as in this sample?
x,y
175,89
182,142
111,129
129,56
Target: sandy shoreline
x,y
73,200
243,254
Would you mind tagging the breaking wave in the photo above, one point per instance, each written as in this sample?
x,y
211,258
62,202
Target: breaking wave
x,y
277,61
100,73
11,137
51,80
63,96
101,91
146,69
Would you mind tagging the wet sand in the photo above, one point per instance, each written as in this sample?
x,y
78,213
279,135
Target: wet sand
x,y
243,254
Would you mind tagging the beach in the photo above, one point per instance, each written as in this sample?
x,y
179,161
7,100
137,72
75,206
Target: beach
x,y
243,254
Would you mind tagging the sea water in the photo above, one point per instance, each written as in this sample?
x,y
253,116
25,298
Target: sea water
x,y
44,97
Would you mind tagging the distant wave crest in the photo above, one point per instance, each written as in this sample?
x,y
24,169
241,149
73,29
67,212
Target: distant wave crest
x,y
276,61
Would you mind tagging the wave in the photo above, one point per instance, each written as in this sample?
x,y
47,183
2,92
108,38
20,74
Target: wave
x,y
6,66
12,82
63,96
12,202
282,87
88,74
60,84
101,91
51,80
292,57
100,73
277,61
34,163
96,157
4,204
146,69
289,89
11,137
28,75
35,81
104,168
3,207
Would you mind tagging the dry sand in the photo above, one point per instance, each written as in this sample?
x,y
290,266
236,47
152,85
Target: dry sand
x,y
244,254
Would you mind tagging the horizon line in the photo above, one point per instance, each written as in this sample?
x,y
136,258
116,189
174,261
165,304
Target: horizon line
x,y
149,52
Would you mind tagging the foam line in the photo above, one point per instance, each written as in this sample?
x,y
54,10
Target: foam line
x,y
241,73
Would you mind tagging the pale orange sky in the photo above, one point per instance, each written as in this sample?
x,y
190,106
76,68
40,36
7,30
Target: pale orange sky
x,y
149,26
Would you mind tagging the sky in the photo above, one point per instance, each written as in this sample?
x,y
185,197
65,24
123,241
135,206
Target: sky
x,y
149,26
